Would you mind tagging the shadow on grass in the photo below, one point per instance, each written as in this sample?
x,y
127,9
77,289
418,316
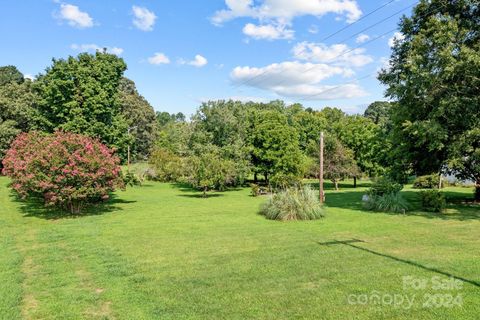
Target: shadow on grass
x,y
459,204
184,187
200,195
351,244
36,208
342,185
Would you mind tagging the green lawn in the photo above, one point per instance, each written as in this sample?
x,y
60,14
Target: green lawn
x,y
162,252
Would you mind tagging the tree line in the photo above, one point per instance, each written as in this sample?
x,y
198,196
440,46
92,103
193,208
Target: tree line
x,y
430,126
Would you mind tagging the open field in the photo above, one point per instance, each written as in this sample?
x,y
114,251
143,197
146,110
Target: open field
x,y
162,252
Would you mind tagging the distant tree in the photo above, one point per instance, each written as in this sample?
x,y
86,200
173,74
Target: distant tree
x,y
339,161
434,77
360,135
176,137
163,117
167,165
209,171
140,116
224,124
309,124
80,94
10,74
378,112
275,149
17,112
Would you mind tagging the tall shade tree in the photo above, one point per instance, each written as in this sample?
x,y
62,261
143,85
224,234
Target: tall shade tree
x,y
17,112
275,149
360,135
10,74
80,94
434,76
140,117
224,124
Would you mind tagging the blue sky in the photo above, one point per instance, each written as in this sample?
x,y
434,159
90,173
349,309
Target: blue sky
x,y
180,53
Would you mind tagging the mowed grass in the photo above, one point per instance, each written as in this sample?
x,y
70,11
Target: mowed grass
x,y
162,252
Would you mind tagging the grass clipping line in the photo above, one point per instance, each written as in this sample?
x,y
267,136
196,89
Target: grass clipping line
x,y
293,204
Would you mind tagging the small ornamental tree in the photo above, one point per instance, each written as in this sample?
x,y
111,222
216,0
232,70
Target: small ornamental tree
x,y
66,170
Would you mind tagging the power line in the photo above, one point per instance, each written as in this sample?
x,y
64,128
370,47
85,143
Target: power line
x,y
338,86
379,22
363,77
349,25
345,52
329,36
348,51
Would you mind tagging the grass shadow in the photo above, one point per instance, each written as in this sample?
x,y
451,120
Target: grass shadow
x,y
351,243
36,208
459,204
185,187
200,195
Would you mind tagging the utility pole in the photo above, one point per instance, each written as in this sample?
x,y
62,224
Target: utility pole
x,y
320,174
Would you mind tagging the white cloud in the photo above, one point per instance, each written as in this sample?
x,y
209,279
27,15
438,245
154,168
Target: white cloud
x,y
362,38
74,16
397,36
337,54
268,31
144,19
29,76
299,80
159,58
91,47
199,61
285,10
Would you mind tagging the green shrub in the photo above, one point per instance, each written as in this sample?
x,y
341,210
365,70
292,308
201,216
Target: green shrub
x,y
167,165
389,202
433,201
131,179
293,204
427,182
255,189
384,186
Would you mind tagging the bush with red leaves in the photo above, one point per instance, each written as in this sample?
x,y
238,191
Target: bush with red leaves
x,y
67,170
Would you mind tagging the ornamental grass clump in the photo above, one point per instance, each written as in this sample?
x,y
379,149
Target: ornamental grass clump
x,y
293,204
384,195
65,170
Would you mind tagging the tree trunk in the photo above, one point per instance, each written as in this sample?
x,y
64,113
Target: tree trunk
x,y
204,192
266,177
255,178
355,181
477,190
336,184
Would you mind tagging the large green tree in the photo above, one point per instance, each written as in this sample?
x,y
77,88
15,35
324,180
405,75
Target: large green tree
x,y
10,74
140,118
224,124
434,76
17,111
360,135
81,95
275,148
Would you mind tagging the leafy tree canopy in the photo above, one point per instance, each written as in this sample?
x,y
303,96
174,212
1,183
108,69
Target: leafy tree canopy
x,y
10,74
434,76
80,94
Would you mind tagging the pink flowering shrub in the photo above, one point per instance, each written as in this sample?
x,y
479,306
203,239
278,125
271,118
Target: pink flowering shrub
x,y
67,170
